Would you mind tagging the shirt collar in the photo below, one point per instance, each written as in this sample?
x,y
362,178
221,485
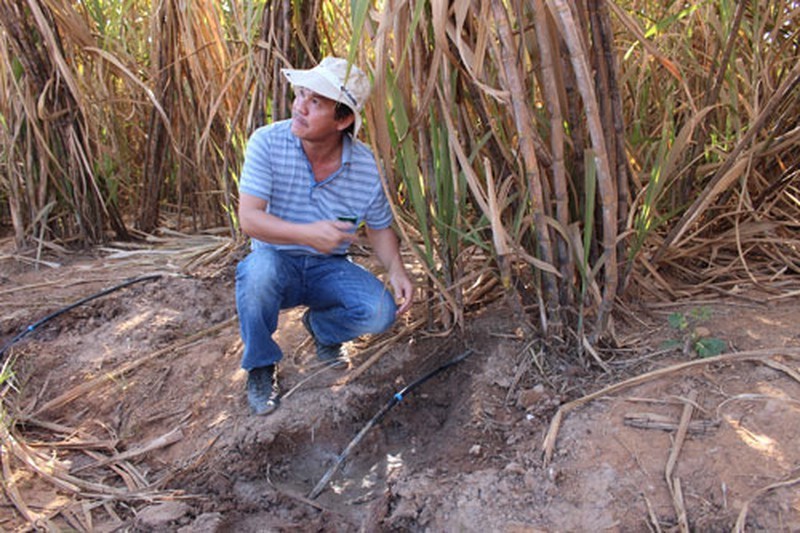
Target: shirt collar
x,y
347,149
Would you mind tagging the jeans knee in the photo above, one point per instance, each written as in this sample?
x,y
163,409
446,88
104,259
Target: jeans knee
x,y
382,314
256,277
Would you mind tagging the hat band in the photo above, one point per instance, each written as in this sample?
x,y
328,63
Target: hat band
x,y
349,95
336,83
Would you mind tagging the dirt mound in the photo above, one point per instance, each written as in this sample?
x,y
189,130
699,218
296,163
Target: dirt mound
x,y
129,413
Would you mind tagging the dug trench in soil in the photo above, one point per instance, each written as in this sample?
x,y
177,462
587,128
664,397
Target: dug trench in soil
x,y
269,478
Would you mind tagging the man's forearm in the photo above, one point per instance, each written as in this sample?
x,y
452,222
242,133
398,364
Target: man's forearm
x,y
386,247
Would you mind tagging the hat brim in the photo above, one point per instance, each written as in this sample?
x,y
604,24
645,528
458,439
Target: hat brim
x,y
318,83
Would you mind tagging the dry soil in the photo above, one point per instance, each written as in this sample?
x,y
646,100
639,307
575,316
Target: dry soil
x,y
127,413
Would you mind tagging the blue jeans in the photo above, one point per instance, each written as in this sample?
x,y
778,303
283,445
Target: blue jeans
x,y
345,300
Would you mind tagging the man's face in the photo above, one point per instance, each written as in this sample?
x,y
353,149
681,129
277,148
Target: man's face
x,y
313,116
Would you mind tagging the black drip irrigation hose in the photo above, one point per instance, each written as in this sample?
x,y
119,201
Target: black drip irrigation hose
x,y
394,400
70,307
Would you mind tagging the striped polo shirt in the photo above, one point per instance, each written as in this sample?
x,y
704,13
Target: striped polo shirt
x,y
277,170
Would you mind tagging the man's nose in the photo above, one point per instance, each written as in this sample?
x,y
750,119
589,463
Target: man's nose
x,y
300,104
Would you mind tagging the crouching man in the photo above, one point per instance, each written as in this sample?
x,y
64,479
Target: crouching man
x,y
307,184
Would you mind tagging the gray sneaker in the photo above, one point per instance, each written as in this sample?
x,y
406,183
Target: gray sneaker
x,y
332,354
262,390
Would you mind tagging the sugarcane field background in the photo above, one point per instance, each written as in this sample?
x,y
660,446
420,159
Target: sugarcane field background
x,y
598,202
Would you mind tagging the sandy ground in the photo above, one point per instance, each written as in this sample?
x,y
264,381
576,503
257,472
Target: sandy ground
x,y
128,413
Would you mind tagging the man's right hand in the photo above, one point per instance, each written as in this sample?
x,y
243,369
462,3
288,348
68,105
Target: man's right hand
x,y
326,236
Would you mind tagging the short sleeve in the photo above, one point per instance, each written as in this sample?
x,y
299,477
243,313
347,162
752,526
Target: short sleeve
x,y
257,175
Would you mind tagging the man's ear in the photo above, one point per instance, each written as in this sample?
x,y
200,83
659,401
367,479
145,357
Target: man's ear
x,y
344,123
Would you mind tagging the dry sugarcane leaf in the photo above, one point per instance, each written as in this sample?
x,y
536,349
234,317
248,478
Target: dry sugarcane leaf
x,y
741,520
667,423
709,195
673,482
680,435
734,164
10,486
169,438
548,444
473,60
651,48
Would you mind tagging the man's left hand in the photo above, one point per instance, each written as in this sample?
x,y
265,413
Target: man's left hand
x,y
403,290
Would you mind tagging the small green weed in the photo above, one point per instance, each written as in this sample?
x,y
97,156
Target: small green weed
x,y
693,337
